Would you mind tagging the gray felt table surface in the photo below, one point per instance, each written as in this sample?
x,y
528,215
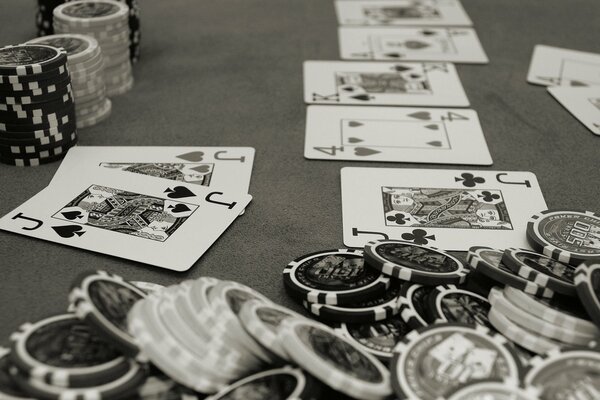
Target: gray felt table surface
x,y
229,73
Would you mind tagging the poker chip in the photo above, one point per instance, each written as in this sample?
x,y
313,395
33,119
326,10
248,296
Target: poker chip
x,y
377,338
565,235
587,278
30,162
43,17
337,361
447,354
335,277
565,374
86,66
107,21
103,300
262,320
413,305
376,309
414,263
8,389
488,261
64,352
280,383
567,313
492,390
519,335
447,303
122,387
29,59
148,287
542,270
534,324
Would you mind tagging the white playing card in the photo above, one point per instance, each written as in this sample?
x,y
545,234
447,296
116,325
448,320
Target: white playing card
x,y
582,102
154,221
383,83
459,45
553,66
448,209
402,12
424,135
228,168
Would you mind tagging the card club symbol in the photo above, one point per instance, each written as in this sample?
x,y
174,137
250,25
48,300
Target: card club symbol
x,y
488,196
398,218
469,180
418,236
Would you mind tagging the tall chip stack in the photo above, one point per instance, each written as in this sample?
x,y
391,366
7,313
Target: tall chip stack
x,y
37,111
85,62
43,16
108,22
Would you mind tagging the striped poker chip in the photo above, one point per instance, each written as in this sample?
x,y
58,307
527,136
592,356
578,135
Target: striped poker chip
x,y
447,303
587,278
413,305
90,13
335,277
415,263
544,271
30,59
569,236
40,150
492,390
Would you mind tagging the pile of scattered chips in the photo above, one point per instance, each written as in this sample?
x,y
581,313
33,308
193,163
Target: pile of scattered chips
x,y
85,63
37,110
441,323
43,16
206,336
108,22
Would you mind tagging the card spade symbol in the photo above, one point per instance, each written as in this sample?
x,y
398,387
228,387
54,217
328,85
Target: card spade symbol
x,y
71,215
354,140
428,32
179,192
363,151
435,143
193,156
415,76
362,97
423,115
179,208
415,45
201,168
394,55
354,124
348,89
68,231
433,127
401,68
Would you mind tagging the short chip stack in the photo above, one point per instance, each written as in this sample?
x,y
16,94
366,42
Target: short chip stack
x,y
43,16
85,62
108,22
37,111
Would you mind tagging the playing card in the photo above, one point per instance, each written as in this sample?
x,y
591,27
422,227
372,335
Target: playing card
x,y
424,135
459,45
582,102
383,83
159,222
228,168
553,66
402,12
448,209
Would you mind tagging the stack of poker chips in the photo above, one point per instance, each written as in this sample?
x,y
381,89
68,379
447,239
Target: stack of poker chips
x,y
108,22
37,110
86,63
43,17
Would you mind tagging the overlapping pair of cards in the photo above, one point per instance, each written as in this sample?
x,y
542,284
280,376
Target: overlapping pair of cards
x,y
423,38
163,206
573,78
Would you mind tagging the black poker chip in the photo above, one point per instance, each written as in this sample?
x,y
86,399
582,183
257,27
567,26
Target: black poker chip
x,y
28,59
447,303
335,277
37,150
415,263
19,161
372,310
413,305
32,96
103,300
542,270
8,389
43,135
61,121
569,236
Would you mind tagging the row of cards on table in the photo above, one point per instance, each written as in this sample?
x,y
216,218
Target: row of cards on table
x,y
165,206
